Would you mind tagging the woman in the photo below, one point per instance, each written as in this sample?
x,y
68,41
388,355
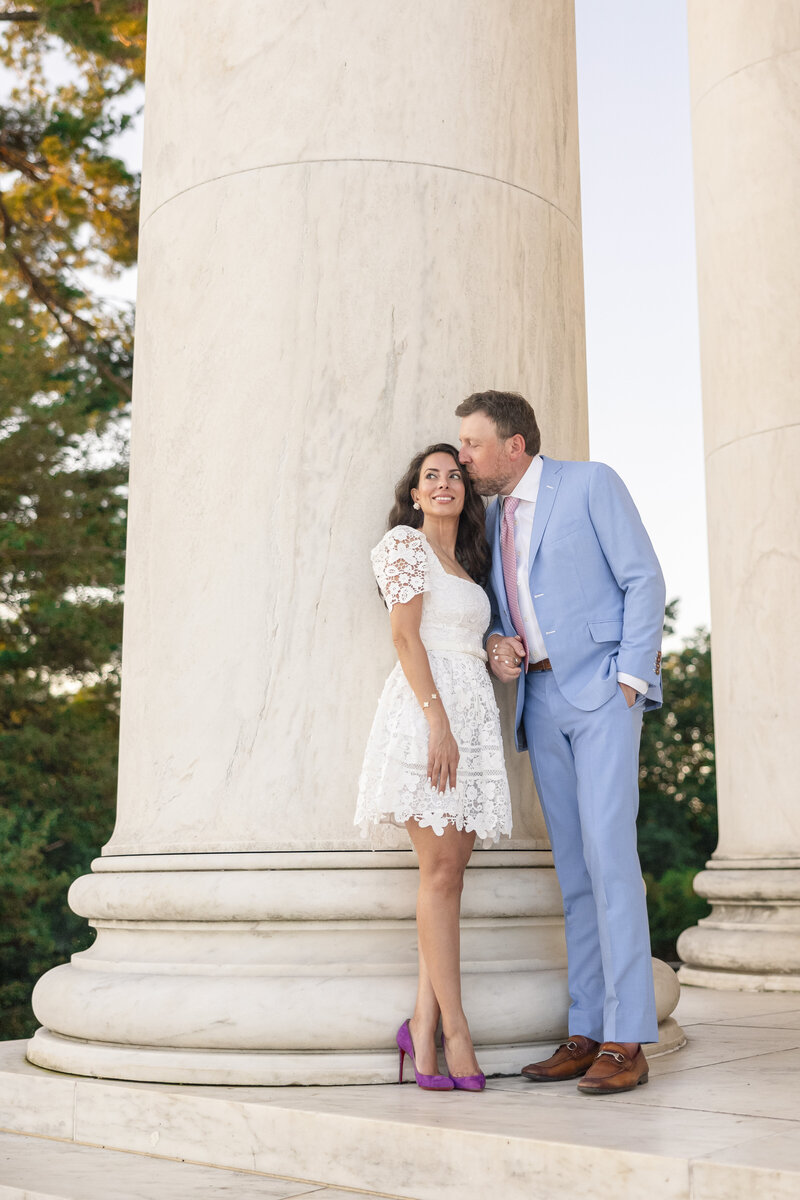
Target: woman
x,y
434,759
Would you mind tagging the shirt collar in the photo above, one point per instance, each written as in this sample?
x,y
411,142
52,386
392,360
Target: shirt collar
x,y
528,486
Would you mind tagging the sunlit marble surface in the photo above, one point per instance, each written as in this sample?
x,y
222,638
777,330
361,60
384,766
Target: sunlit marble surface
x,y
720,1119
353,216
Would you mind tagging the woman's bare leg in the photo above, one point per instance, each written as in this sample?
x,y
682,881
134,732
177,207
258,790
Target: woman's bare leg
x,y
425,1021
442,860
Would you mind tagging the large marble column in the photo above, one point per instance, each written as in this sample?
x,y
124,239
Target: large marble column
x,y
745,59
354,214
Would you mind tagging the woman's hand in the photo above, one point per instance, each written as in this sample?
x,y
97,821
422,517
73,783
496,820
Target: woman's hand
x,y
442,756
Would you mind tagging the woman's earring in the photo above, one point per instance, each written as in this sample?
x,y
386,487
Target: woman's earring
x,y
416,504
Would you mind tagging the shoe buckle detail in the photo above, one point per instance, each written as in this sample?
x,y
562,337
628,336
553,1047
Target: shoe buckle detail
x,y
573,1046
612,1054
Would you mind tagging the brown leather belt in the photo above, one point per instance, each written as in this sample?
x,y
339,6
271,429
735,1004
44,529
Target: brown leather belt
x,y
543,664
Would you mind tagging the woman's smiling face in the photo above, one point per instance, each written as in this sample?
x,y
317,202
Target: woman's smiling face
x,y
440,491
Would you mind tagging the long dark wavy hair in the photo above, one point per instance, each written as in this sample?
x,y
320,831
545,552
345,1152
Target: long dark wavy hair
x,y
472,549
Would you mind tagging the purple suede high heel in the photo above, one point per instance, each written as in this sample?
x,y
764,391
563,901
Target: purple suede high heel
x,y
431,1083
466,1083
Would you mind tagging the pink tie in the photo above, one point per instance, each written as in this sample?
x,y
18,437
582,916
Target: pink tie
x,y
508,557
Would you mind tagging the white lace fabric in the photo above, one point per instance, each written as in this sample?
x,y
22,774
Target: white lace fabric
x,y
394,786
400,563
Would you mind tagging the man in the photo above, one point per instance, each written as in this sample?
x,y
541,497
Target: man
x,y
578,609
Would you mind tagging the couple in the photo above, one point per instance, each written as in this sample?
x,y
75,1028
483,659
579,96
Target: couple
x,y
574,605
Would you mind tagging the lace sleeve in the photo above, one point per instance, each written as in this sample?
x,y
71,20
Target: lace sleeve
x,y
400,563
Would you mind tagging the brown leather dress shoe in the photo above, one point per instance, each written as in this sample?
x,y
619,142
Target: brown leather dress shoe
x,y
569,1061
614,1071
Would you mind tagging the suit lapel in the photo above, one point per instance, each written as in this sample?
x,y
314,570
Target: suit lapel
x,y
548,487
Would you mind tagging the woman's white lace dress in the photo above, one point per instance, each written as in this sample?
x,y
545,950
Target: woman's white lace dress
x,y
394,784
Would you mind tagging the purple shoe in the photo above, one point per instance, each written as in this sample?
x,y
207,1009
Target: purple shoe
x,y
469,1083
466,1083
431,1083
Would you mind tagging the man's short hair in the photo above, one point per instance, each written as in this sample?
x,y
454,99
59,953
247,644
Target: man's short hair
x,y
510,412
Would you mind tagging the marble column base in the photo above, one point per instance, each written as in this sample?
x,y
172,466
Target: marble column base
x,y
751,939
146,1064
296,968
289,968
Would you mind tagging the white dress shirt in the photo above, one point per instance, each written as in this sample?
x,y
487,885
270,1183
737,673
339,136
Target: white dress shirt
x,y
527,492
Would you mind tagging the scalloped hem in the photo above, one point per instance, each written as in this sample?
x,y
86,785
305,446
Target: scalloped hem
x,y
435,821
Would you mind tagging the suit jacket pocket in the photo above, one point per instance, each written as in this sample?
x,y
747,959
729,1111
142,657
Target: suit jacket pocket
x,y
606,631
559,534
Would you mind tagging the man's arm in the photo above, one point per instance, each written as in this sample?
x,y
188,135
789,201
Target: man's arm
x,y
633,562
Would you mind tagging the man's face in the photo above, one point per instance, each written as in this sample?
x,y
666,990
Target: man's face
x,y
484,455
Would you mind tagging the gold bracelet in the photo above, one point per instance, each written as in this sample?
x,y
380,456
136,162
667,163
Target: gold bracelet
x,y
427,703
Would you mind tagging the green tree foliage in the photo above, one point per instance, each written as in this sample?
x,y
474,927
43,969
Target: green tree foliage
x,y
672,906
68,215
99,32
678,811
677,782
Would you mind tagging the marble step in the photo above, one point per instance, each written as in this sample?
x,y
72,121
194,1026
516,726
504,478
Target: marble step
x,y
719,1120
33,1168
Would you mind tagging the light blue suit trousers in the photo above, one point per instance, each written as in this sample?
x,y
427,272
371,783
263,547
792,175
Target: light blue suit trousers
x,y
598,594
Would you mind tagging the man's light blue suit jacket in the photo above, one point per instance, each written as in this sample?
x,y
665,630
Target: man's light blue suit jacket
x,y
596,585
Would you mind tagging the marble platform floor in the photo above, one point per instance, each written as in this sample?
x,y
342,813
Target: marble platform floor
x,y
719,1120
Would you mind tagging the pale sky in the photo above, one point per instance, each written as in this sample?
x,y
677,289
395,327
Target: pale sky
x,y
640,278
645,412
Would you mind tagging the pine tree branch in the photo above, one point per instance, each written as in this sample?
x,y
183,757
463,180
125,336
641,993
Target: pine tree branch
x,y
61,313
16,161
